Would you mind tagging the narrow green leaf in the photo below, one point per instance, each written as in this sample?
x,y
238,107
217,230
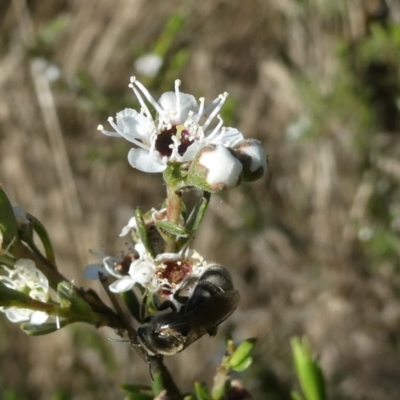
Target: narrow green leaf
x,y
242,353
172,229
43,329
157,385
243,365
70,299
296,395
201,391
8,222
9,296
196,216
134,388
308,371
142,231
132,303
44,237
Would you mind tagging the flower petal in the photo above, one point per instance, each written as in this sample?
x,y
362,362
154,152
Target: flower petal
x,y
39,317
134,125
187,103
222,167
142,271
144,161
228,137
122,285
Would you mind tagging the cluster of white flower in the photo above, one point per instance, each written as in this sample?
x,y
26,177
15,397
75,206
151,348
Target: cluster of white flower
x,y
25,278
181,129
163,274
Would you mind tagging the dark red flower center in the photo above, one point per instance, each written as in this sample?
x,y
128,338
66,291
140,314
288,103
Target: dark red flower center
x,y
175,271
164,141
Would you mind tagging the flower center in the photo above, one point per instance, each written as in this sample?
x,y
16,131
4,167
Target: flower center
x,y
164,142
175,271
124,264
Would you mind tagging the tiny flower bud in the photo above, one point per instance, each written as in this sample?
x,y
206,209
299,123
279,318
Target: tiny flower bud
x,y
214,169
253,158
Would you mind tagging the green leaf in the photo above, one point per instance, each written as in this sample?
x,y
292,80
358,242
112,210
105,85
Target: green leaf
x,y
43,329
241,357
201,391
157,385
142,230
133,388
70,299
198,212
8,222
308,371
44,237
172,229
296,395
189,397
9,296
132,303
243,365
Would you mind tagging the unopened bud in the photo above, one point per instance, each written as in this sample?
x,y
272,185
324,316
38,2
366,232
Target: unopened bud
x,y
253,158
215,168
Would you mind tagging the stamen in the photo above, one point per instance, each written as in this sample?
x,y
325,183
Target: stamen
x,y
177,93
201,110
122,133
222,98
147,95
100,127
216,129
141,102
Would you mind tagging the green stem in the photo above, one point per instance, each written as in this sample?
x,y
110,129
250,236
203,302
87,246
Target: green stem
x,y
174,206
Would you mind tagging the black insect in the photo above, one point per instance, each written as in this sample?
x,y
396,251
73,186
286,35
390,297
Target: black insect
x,y
205,302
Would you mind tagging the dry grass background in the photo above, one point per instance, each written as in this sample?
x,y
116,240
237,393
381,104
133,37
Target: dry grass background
x,y
313,247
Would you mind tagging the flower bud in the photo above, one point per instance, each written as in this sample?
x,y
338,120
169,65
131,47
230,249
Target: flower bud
x,y
215,168
253,158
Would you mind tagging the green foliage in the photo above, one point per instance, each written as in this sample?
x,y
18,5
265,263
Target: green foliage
x,y
165,40
201,391
308,372
51,32
8,223
241,357
383,45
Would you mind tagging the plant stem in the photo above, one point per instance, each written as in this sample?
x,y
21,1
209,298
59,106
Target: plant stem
x,y
174,205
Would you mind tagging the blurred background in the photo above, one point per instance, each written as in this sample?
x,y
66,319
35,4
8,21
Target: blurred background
x,y
313,247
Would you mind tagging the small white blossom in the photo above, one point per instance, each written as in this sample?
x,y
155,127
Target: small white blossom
x,y
216,169
253,158
26,278
176,134
163,274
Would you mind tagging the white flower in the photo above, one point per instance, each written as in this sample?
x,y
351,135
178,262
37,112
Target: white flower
x,y
253,158
140,271
129,269
222,167
215,168
163,274
176,134
26,278
148,64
